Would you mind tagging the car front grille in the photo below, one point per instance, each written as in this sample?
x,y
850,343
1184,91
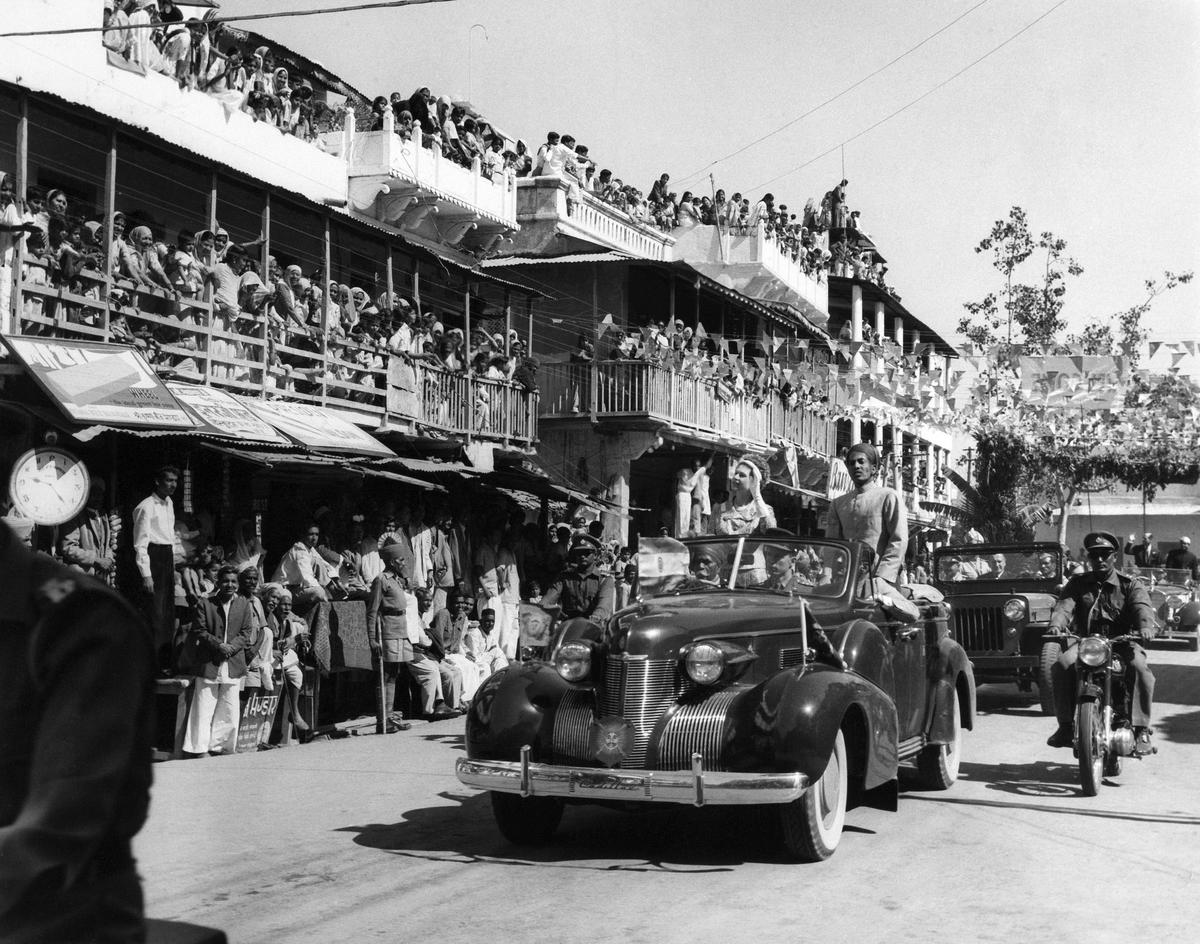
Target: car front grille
x,y
979,629
638,690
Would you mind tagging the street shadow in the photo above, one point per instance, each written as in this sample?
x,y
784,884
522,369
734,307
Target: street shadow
x,y
1176,684
999,698
590,838
1038,779
456,741
1177,819
1180,729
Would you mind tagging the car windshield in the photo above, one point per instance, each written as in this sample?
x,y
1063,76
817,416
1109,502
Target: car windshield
x,y
980,563
1153,576
784,565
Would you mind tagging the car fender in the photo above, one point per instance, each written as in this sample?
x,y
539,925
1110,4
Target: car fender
x,y
801,710
512,708
949,671
1189,614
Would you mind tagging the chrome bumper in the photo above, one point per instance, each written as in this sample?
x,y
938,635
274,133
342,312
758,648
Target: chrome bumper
x,y
693,786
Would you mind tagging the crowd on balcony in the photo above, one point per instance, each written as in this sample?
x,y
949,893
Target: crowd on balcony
x,y
276,324
154,36
753,373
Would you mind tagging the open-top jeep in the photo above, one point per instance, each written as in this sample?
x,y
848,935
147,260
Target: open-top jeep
x,y
1000,598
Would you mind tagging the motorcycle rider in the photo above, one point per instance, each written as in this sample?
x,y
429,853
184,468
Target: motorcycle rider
x,y
1113,604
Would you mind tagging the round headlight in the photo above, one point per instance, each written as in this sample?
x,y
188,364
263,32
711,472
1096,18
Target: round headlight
x,y
1093,651
705,663
1175,601
573,660
1014,609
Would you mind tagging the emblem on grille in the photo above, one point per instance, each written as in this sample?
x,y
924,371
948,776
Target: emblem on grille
x,y
611,740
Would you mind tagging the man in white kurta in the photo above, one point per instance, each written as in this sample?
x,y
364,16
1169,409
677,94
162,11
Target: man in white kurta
x,y
871,513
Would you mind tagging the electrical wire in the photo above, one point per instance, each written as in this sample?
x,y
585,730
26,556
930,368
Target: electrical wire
x,y
244,18
833,98
924,95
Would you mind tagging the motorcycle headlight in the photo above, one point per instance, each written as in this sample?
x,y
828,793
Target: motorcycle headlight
x,y
1094,651
704,663
573,661
1175,602
1014,609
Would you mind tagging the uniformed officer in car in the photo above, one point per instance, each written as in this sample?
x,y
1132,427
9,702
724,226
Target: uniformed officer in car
x,y
1106,602
76,694
584,590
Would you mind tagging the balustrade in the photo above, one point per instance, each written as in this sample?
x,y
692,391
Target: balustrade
x,y
701,404
192,340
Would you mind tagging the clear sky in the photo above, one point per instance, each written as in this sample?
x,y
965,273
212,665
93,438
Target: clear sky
x,y
1090,120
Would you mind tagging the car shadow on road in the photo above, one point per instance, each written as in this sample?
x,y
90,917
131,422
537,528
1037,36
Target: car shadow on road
x,y
590,838
1000,699
1181,728
456,741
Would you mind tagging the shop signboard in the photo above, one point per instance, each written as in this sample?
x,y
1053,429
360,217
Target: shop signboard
x,y
224,415
316,427
258,714
93,382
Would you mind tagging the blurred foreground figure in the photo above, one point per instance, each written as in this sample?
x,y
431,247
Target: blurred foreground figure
x,y
76,693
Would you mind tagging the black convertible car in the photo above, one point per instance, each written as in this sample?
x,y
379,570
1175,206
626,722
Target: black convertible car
x,y
747,671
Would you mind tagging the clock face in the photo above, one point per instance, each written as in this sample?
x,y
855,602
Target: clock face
x,y
49,486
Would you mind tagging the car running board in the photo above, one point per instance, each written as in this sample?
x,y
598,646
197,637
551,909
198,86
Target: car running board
x,y
910,747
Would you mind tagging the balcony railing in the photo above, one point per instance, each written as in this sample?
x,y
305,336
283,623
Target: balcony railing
x,y
758,266
192,340
398,180
639,389
557,218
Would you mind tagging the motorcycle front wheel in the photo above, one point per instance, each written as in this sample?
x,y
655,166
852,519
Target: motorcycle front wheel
x,y
1089,734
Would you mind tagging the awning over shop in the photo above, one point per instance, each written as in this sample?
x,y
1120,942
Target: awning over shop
x,y
222,414
307,464
97,383
316,427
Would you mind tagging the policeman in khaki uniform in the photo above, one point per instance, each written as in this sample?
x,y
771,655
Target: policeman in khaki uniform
x,y
1105,602
387,627
584,590
76,694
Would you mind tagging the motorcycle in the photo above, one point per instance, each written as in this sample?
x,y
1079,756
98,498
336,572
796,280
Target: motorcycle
x,y
1103,699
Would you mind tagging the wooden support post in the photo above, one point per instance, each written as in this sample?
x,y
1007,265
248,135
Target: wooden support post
x,y
110,208
264,263
507,321
529,316
325,314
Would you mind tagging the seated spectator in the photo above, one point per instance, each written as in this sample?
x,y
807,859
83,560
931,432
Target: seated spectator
x,y
449,629
292,648
305,572
482,646
429,649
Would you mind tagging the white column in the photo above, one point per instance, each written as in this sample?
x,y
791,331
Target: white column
x,y
880,321
898,329
930,469
855,429
856,312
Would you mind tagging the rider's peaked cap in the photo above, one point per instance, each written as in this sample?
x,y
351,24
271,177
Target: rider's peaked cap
x,y
1102,540
585,542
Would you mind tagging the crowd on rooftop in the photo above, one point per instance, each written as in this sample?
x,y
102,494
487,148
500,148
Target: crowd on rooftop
x,y
820,238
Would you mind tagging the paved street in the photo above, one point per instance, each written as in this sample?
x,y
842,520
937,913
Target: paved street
x,y
372,838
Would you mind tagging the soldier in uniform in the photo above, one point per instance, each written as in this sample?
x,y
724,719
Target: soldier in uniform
x,y
1102,601
77,670
584,590
387,628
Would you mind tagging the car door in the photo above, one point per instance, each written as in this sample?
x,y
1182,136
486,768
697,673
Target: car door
x,y
908,656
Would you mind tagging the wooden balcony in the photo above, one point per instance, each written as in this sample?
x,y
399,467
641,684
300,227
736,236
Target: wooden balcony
x,y
188,340
639,393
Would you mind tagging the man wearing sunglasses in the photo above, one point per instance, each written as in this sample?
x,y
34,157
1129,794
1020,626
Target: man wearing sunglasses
x,y
1102,601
